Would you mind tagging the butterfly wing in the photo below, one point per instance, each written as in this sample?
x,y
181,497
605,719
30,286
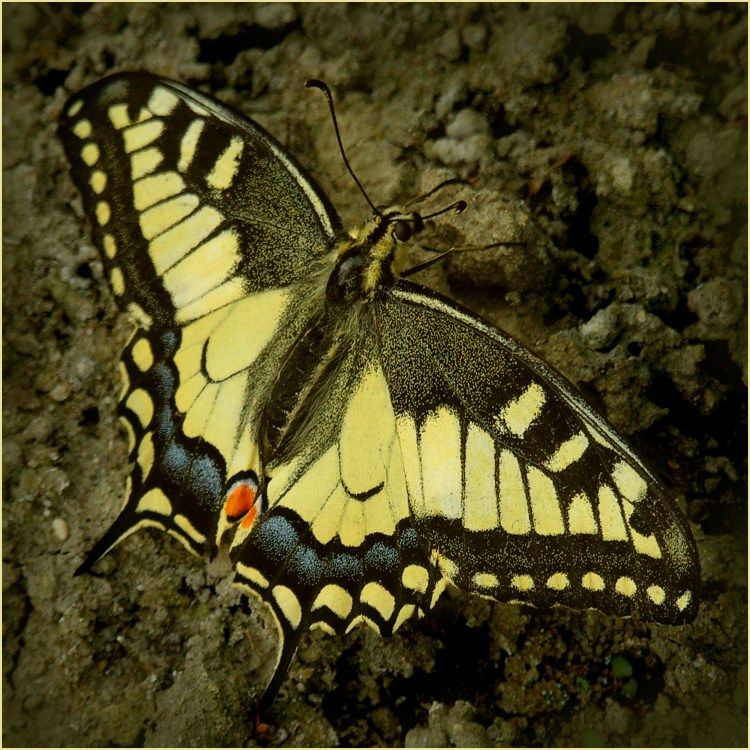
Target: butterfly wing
x,y
445,452
210,235
337,545
519,489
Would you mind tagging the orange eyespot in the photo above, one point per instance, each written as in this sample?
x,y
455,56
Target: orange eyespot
x,y
240,501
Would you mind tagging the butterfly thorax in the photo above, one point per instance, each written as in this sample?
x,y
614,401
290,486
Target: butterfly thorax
x,y
372,257
369,261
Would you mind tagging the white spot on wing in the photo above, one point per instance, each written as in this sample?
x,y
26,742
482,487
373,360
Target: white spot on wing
x,y
142,134
204,269
252,574
481,511
98,181
144,162
75,108
568,453
103,213
403,615
610,516
142,354
117,281
517,416
514,510
142,405
82,128
581,516
522,582
177,242
629,482
592,581
558,582
110,247
336,598
656,594
189,143
150,190
683,602
90,154
626,586
162,101
155,501
545,505
288,604
226,166
379,598
118,116
230,291
646,545
416,578
485,580
184,523
166,215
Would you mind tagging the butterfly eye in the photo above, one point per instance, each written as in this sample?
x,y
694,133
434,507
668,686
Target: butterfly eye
x,y
402,230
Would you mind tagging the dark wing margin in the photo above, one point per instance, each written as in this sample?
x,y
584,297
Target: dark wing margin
x,y
523,492
308,583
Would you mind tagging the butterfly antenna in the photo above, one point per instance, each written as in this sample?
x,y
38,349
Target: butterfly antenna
x,y
458,207
451,251
437,188
315,83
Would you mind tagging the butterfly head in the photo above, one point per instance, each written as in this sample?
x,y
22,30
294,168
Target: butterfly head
x,y
372,257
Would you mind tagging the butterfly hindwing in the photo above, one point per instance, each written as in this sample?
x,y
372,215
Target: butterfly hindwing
x,y
337,545
177,483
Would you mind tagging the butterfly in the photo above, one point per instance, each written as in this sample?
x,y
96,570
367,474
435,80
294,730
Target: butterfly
x,y
358,440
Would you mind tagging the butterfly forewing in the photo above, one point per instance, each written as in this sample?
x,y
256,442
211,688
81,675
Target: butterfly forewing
x,y
193,206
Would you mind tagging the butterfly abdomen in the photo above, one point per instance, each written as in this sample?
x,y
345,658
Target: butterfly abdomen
x,y
295,379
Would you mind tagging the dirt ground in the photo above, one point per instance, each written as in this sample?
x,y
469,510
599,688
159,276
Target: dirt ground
x,y
611,140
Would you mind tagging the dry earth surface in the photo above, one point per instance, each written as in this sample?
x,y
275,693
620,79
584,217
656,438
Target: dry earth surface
x,y
612,141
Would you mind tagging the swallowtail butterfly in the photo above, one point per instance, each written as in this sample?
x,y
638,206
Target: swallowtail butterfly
x,y
359,439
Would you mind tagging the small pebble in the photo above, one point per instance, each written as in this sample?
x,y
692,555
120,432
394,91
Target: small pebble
x,y
61,391
60,529
466,123
474,36
275,16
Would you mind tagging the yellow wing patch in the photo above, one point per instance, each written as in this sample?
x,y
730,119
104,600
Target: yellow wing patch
x,y
359,479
